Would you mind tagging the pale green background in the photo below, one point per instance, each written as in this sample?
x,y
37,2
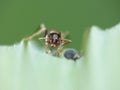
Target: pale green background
x,y
19,18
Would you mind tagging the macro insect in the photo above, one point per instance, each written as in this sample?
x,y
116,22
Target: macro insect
x,y
71,54
52,38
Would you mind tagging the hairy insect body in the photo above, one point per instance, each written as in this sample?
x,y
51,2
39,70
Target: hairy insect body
x,y
53,39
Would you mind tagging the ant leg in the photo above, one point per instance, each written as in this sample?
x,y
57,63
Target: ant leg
x,y
41,38
64,35
42,30
64,42
48,51
46,45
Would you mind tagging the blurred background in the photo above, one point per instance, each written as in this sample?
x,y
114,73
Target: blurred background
x,y
20,18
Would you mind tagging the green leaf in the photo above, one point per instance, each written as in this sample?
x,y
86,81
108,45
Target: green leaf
x,y
103,58
23,66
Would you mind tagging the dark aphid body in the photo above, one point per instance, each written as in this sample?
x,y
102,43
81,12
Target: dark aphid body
x,y
71,54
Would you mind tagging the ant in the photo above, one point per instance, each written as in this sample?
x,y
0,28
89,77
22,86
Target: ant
x,y
52,38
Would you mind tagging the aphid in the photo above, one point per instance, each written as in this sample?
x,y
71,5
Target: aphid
x,y
71,54
52,38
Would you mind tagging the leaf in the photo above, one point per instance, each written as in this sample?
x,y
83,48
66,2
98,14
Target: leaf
x,y
23,66
103,58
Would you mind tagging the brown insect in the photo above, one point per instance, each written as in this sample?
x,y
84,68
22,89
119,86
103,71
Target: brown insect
x,y
52,38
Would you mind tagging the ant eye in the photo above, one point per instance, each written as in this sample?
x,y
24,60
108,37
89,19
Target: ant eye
x,y
55,36
71,54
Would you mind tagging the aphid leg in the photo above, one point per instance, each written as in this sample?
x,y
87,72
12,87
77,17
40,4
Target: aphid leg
x,y
76,56
42,30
